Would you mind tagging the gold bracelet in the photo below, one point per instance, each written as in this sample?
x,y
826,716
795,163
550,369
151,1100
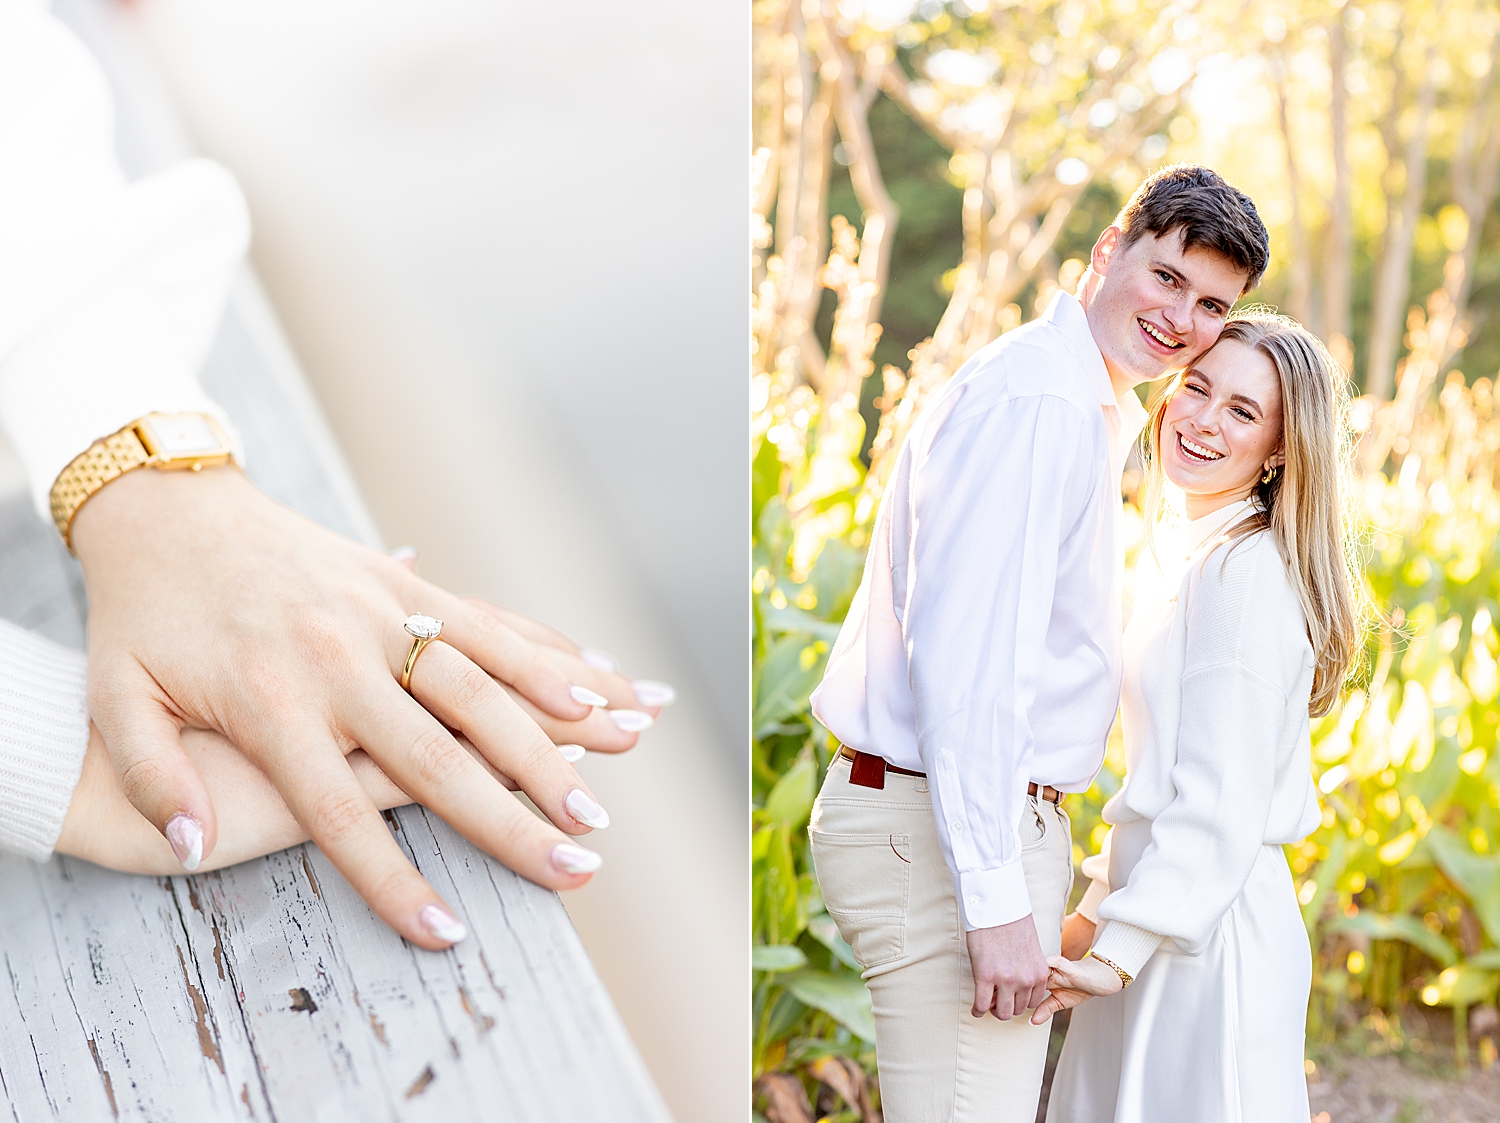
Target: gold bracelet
x,y
1125,977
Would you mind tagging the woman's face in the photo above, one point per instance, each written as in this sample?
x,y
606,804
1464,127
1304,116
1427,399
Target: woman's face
x,y
1222,428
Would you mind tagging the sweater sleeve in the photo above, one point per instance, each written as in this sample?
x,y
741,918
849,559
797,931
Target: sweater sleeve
x,y
1205,842
110,292
1096,869
44,731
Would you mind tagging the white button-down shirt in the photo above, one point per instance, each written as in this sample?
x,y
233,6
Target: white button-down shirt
x,y
983,646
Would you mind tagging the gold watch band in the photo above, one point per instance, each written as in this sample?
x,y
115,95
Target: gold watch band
x,y
111,457
1125,978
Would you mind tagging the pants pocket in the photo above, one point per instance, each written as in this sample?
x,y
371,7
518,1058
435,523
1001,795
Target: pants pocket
x,y
1034,823
865,880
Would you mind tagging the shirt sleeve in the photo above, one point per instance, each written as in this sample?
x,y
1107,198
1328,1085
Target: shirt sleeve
x,y
110,292
992,498
1205,842
44,732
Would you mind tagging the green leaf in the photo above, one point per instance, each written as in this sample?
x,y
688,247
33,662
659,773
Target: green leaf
x,y
825,930
791,800
784,680
1464,985
1400,927
843,997
1477,875
1489,959
777,957
1328,873
765,477
794,619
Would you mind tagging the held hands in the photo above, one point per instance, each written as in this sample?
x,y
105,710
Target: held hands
x,y
1010,971
1072,982
213,607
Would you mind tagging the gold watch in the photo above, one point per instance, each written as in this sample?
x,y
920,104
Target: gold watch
x,y
190,441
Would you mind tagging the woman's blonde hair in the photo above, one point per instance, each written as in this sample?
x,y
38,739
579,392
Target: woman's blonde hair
x,y
1305,504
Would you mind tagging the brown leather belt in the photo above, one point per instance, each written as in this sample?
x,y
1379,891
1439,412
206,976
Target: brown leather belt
x,y
868,771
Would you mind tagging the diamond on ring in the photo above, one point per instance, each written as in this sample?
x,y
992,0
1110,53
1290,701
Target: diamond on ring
x,y
423,627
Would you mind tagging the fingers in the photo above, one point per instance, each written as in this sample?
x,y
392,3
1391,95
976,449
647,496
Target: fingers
x,y
1046,1009
144,740
462,696
597,732
984,998
590,669
325,797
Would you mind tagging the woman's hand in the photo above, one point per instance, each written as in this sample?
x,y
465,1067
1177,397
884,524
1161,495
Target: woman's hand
x,y
213,607
104,828
1072,982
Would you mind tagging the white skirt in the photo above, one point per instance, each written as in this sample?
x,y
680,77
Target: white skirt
x,y
1209,1038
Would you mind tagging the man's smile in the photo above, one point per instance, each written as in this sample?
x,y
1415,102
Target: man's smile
x,y
1161,339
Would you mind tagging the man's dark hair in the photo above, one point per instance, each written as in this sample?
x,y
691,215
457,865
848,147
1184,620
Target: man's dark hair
x,y
1208,211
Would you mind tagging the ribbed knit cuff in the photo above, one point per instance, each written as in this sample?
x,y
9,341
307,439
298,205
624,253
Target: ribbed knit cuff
x,y
44,732
1093,897
86,375
1126,946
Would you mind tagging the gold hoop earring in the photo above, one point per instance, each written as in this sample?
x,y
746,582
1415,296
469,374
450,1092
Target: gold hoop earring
x,y
1269,476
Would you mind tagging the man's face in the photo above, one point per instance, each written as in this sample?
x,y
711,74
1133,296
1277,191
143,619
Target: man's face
x,y
1156,307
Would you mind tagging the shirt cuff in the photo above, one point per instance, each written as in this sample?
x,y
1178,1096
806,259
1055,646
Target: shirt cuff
x,y
44,733
86,375
1088,908
989,898
1126,946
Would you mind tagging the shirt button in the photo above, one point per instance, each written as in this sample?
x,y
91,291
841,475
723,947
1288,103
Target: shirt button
x,y
973,900
957,826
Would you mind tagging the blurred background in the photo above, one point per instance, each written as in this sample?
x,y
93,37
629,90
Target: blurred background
x,y
506,244
926,176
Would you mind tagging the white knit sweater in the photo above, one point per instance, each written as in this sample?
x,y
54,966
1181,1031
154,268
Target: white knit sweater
x,y
1218,673
110,293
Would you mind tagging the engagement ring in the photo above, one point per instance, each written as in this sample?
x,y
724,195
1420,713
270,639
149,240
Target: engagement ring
x,y
423,630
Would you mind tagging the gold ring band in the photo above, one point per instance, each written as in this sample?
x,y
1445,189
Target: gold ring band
x,y
423,630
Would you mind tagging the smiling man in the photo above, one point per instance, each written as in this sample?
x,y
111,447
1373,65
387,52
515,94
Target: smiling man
x,y
978,672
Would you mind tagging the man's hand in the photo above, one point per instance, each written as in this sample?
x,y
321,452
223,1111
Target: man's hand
x,y
1077,936
213,607
1072,983
1010,971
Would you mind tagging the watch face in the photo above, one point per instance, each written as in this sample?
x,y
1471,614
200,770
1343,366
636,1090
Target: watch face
x,y
177,435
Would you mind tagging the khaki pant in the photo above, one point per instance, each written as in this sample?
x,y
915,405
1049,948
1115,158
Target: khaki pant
x,y
886,884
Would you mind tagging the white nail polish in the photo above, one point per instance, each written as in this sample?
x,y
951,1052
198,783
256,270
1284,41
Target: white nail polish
x,y
575,859
586,696
570,753
582,807
442,923
653,693
186,836
407,555
631,721
599,660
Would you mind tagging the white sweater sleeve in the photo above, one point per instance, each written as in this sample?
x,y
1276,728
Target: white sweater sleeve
x,y
110,292
44,730
1205,842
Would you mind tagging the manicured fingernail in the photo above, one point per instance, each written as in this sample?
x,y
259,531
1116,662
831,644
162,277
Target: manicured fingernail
x,y
406,555
599,660
575,859
586,696
653,693
582,807
442,923
186,836
570,753
632,721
